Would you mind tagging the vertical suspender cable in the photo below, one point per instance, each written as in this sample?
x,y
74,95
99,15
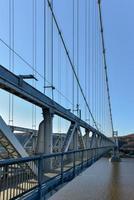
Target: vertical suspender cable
x,y
97,71
11,57
73,13
35,58
97,77
52,51
96,67
44,28
102,111
33,5
98,74
92,75
86,41
77,56
59,80
34,17
100,83
90,57
94,33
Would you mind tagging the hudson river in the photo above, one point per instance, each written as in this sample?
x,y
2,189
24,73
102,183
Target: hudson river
x,y
102,181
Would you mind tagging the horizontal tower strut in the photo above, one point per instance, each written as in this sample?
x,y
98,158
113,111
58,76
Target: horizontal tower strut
x,y
11,83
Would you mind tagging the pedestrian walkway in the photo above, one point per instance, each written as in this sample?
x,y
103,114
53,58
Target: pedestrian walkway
x,y
102,181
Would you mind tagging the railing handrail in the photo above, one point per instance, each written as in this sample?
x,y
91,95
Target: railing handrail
x,y
37,157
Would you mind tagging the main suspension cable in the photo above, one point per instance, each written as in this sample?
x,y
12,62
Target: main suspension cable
x,y
105,63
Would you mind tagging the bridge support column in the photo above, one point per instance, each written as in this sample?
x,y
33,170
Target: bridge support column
x,y
44,140
75,140
86,139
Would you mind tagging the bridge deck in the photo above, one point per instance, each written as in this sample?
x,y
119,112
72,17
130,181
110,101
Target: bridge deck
x,y
17,178
103,181
18,184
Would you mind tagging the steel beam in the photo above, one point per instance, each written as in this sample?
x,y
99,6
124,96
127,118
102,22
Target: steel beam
x,y
69,137
12,145
10,142
11,83
22,129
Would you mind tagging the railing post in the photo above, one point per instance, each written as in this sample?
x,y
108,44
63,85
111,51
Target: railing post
x,y
95,154
74,163
62,165
87,156
40,170
82,159
92,156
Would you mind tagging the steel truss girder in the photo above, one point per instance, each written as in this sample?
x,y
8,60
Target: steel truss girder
x,y
10,142
58,141
95,141
14,148
22,129
69,137
33,133
11,83
56,146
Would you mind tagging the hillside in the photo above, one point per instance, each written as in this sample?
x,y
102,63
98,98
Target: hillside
x,y
126,143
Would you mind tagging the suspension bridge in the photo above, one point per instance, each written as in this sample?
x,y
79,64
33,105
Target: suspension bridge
x,y
55,106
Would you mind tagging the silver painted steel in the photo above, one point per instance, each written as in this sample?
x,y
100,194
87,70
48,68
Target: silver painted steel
x,y
10,83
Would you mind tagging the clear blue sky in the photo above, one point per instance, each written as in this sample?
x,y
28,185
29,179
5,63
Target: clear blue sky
x,y
119,38
118,22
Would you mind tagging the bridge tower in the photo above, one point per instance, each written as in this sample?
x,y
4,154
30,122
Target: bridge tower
x,y
115,154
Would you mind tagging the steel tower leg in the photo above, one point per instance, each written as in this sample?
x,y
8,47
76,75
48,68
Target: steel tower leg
x,y
115,153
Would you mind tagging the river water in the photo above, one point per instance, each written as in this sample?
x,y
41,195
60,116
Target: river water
x,y
102,181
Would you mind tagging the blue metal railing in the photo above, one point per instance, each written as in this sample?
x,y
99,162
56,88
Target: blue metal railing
x,y
33,177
